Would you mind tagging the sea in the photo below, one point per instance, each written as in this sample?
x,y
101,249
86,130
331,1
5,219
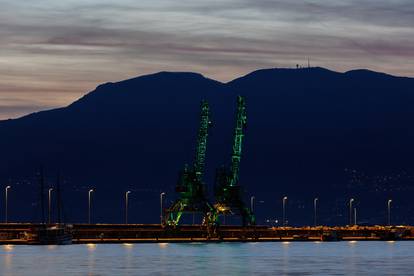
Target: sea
x,y
261,258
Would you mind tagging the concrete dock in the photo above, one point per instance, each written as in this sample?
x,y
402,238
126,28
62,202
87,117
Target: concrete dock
x,y
14,233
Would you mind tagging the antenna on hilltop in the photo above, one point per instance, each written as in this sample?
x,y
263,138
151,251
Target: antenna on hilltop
x,y
308,63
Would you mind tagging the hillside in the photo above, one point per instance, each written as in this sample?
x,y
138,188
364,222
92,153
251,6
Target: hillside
x,y
311,132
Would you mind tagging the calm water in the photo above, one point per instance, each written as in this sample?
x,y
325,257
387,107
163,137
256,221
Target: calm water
x,y
298,258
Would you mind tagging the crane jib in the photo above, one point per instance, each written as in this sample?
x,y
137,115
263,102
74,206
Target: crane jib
x,y
241,120
199,161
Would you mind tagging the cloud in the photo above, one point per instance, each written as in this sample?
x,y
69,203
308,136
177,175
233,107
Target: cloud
x,y
56,50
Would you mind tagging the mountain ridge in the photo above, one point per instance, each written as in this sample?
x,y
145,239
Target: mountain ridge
x,y
273,70
308,130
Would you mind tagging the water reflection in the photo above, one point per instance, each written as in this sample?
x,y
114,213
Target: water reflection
x,y
278,258
163,244
91,247
8,247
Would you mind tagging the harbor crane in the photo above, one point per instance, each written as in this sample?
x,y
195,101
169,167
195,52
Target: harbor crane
x,y
228,192
190,186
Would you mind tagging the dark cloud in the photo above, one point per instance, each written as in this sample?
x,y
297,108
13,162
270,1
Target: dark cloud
x,y
44,44
399,13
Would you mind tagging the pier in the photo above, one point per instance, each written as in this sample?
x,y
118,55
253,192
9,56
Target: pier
x,y
15,233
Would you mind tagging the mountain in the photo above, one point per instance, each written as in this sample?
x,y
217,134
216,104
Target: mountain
x,y
311,133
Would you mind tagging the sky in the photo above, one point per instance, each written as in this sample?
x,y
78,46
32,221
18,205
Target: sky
x,y
53,52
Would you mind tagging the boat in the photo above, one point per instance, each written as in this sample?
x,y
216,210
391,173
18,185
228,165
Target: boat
x,y
49,234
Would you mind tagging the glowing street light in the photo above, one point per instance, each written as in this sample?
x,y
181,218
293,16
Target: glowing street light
x,y
7,203
50,205
284,210
126,206
350,210
89,205
389,211
161,208
315,201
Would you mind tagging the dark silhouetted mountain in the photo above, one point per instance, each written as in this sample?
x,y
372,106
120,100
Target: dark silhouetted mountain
x,y
311,133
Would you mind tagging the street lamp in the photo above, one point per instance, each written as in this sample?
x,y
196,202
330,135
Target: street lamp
x,y
126,206
284,210
315,201
355,216
50,204
350,210
252,199
161,208
7,204
389,211
89,205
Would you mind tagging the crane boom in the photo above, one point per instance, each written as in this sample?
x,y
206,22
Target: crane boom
x,y
200,156
241,120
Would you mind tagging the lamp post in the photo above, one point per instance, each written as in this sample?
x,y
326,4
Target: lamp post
x,y
284,210
389,211
355,216
161,208
89,205
126,206
350,210
7,204
252,199
315,201
50,205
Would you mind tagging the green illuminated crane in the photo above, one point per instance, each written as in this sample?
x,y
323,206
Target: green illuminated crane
x,y
241,121
190,186
227,189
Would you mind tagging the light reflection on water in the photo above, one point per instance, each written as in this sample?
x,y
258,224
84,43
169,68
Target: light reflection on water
x,y
294,258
